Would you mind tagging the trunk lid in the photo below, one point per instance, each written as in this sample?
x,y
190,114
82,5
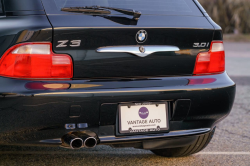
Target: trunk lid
x,y
80,35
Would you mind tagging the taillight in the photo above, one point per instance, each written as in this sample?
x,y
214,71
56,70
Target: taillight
x,y
211,62
35,60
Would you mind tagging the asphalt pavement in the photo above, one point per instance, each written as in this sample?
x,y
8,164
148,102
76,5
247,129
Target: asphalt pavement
x,y
230,145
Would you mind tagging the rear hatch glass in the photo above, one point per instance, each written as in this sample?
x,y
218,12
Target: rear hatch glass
x,y
166,7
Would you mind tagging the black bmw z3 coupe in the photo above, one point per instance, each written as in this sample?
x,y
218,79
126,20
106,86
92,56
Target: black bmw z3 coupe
x,y
143,74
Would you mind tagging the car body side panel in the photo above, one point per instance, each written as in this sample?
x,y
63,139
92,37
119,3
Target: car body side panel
x,y
5,42
18,29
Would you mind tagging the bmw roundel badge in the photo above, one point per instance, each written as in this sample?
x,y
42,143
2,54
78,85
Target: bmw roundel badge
x,y
141,36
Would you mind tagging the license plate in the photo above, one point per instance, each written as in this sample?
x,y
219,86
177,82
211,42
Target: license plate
x,y
143,117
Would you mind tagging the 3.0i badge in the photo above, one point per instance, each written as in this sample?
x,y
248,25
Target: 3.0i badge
x,y
141,36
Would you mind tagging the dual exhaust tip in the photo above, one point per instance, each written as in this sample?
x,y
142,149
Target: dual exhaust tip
x,y
77,140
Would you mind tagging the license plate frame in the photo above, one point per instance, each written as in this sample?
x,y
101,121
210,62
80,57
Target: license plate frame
x,y
145,130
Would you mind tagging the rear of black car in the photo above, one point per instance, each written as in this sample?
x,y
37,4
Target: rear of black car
x,y
79,73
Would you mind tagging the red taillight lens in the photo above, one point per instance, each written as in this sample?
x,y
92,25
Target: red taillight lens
x,y
212,61
35,60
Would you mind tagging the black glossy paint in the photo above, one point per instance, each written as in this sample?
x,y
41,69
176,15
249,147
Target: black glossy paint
x,y
181,109
18,29
1,9
29,116
180,31
43,111
218,35
101,31
23,5
5,42
24,13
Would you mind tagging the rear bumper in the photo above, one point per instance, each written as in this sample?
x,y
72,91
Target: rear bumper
x,y
39,116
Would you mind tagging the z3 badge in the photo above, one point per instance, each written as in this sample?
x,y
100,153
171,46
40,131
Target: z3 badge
x,y
204,44
65,43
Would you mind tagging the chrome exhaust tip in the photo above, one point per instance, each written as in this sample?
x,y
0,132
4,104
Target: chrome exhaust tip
x,y
90,142
72,141
80,139
76,143
90,139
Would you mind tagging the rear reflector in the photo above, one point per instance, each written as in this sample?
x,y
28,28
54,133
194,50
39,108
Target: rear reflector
x,y
211,62
201,81
46,86
35,60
